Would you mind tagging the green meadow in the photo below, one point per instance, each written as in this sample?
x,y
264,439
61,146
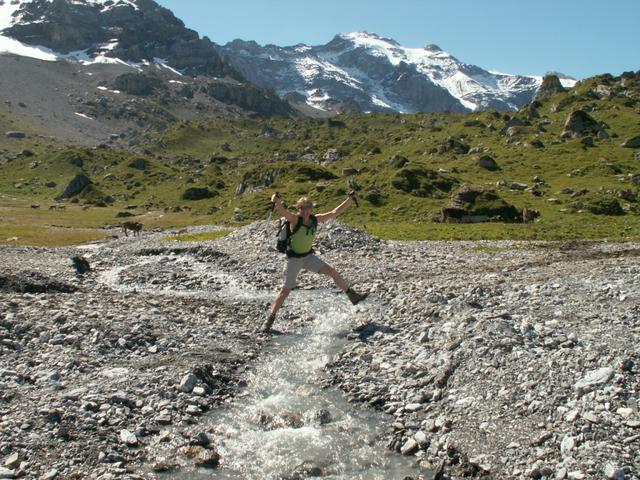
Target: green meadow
x,y
405,168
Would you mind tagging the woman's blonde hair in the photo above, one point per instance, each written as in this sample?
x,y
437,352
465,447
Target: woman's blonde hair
x,y
304,202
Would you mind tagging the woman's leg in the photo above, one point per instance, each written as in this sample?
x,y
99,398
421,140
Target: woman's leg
x,y
291,271
277,303
337,278
354,297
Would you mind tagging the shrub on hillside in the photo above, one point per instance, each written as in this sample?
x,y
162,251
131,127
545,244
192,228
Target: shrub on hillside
x,y
398,161
475,200
313,173
422,182
375,196
138,84
198,193
599,204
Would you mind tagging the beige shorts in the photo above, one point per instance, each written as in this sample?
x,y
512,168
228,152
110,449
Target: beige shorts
x,y
294,265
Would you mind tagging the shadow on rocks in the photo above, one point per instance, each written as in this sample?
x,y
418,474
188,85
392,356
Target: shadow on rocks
x,y
368,329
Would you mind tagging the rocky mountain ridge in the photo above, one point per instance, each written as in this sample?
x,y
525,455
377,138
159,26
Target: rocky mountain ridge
x,y
378,74
97,70
353,72
131,31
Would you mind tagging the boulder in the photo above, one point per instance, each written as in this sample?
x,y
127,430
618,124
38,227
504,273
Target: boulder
x,y
76,186
488,163
422,182
198,193
474,203
15,134
633,142
398,161
549,87
76,161
80,264
579,124
256,180
513,126
138,84
454,145
332,155
139,164
529,215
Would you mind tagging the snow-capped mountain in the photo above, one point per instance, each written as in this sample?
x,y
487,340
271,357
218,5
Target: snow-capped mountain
x,y
353,72
379,75
106,31
106,71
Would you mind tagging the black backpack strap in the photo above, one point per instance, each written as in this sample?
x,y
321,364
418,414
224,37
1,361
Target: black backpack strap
x,y
313,226
297,227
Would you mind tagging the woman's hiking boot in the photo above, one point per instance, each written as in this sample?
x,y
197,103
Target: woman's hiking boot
x,y
356,297
266,325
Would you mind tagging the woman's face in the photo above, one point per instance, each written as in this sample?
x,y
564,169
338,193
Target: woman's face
x,y
304,211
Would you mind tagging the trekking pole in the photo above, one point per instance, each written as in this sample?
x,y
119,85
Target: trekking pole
x,y
360,215
273,207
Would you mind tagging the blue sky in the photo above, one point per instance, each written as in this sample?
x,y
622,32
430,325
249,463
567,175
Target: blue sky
x,y
580,38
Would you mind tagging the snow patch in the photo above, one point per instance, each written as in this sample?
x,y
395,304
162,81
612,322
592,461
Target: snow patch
x,y
11,46
568,82
101,4
105,89
83,115
163,63
6,14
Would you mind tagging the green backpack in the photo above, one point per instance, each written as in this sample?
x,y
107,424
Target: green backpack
x,y
283,237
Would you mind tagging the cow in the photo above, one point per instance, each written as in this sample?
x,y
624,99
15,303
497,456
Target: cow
x,y
529,215
135,227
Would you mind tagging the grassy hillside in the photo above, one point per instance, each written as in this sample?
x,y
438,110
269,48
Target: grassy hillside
x,y
406,168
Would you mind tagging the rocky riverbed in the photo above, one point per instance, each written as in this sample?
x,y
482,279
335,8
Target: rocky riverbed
x,y
491,359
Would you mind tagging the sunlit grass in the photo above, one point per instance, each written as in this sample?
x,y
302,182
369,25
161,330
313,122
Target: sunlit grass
x,y
581,226
25,226
200,237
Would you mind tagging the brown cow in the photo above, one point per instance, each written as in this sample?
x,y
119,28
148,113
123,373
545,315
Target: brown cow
x,y
529,215
135,227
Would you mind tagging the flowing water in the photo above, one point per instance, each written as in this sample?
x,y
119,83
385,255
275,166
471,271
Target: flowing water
x,y
286,422
285,425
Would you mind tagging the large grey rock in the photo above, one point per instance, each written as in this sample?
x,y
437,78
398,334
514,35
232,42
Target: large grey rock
x,y
633,142
188,382
595,378
128,438
579,123
409,447
16,134
550,86
488,163
7,473
76,186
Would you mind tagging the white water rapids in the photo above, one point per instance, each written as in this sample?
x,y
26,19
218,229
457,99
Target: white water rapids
x,y
284,425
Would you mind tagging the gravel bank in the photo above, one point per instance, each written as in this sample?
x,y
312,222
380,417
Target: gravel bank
x,y
495,359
